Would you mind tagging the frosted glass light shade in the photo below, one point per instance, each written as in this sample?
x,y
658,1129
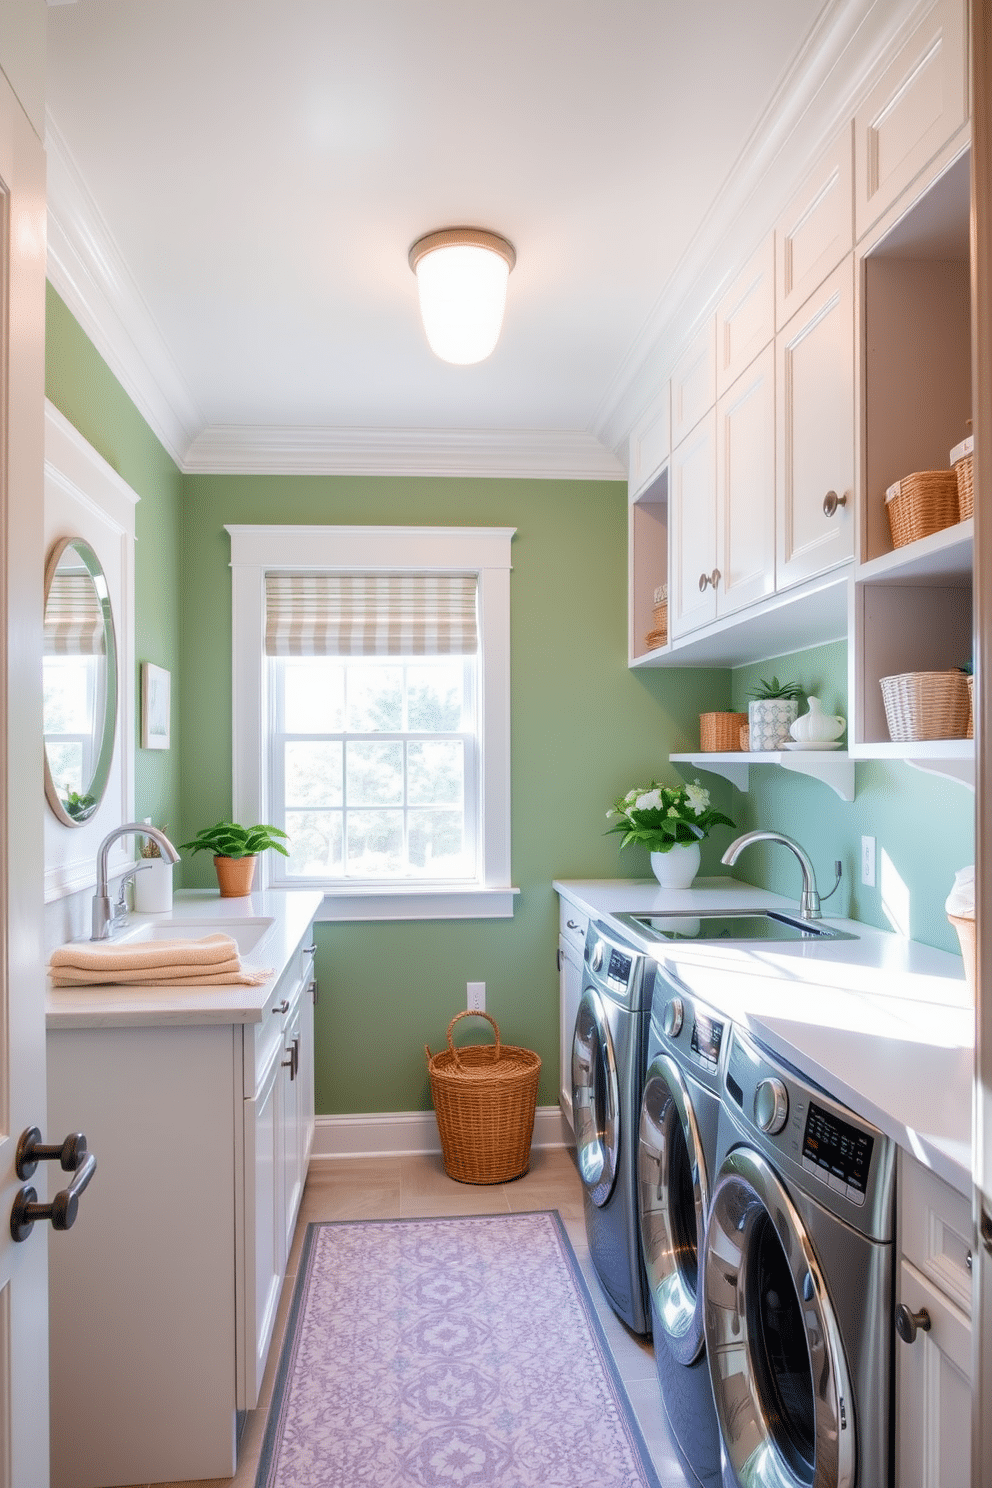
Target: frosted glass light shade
x,y
461,277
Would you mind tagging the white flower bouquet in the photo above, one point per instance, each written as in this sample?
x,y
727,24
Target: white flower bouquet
x,y
661,816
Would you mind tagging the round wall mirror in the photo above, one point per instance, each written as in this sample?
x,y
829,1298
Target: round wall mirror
x,y
80,680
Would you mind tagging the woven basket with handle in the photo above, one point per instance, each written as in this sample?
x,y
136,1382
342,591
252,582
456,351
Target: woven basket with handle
x,y
485,1097
920,504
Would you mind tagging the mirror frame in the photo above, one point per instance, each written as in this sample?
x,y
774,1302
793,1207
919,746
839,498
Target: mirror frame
x,y
101,772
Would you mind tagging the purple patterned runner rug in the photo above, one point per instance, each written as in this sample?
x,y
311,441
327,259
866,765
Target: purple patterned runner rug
x,y
447,1353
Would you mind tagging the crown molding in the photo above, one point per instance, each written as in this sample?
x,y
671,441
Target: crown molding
x,y
519,454
851,43
89,272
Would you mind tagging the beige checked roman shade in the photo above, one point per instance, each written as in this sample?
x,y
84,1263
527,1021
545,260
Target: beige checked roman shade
x,y
74,618
371,614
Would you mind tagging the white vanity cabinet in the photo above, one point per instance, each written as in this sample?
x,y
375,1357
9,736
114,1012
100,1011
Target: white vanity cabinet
x,y
933,1371
199,1108
572,926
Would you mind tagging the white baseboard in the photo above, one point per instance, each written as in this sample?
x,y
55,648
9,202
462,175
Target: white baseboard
x,y
397,1133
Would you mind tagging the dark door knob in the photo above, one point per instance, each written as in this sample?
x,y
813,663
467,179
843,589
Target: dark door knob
x,y
909,1323
73,1157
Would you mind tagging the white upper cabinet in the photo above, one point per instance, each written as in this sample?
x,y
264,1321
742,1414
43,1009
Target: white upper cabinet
x,y
816,230
650,443
745,318
694,382
917,105
815,423
692,589
745,485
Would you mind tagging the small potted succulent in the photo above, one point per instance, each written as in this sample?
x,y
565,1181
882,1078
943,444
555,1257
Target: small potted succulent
x,y
235,849
772,711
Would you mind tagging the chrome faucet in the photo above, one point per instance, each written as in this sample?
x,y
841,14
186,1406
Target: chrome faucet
x,y
104,919
809,900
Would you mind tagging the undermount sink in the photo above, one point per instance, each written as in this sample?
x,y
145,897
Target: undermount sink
x,y
731,925
249,934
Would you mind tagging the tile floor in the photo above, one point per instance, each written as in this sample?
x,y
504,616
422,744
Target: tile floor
x,y
417,1186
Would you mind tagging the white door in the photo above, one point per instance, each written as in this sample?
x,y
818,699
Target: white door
x,y
745,487
24,1266
693,572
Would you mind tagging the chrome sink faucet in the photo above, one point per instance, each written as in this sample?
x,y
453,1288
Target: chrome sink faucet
x,y
104,919
809,900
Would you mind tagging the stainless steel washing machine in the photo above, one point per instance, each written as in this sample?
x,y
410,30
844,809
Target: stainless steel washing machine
x,y
609,1053
676,1166
798,1283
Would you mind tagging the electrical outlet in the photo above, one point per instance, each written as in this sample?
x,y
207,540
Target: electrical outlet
x,y
476,997
868,862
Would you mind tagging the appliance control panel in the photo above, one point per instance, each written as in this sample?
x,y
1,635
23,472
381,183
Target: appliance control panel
x,y
841,1161
618,969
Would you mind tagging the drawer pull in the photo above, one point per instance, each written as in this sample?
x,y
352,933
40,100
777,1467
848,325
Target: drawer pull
x,y
573,925
282,1007
909,1323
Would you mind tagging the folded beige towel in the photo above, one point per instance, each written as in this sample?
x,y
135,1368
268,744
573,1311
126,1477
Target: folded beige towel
x,y
209,962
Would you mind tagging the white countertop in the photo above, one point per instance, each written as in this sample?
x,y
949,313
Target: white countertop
x,y
148,1006
884,1024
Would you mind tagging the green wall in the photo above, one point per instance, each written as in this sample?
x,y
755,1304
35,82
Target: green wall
x,y
584,730
81,386
924,825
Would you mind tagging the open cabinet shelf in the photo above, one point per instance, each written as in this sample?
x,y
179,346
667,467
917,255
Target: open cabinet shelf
x,y
834,767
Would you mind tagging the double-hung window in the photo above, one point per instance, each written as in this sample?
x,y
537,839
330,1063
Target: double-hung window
x,y
371,686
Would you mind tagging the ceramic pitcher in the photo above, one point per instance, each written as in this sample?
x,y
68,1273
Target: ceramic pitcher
x,y
817,727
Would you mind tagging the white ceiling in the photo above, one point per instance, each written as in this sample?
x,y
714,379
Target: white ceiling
x,y
234,185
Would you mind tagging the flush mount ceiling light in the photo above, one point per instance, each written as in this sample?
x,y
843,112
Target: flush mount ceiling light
x,y
461,275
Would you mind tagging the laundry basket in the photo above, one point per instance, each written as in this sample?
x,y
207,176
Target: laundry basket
x,y
485,1097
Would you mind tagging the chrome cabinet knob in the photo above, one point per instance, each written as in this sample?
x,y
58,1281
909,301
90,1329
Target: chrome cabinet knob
x,y
771,1106
832,501
908,1324
705,580
673,1017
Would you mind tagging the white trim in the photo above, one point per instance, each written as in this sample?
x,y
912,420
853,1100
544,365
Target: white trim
x,y
411,1133
522,454
485,551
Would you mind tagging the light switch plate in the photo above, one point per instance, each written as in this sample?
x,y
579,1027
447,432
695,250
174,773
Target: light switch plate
x,y
868,862
476,997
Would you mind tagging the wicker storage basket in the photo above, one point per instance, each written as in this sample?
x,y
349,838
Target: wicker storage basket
x,y
658,634
925,705
963,464
720,733
966,936
920,504
971,708
485,1097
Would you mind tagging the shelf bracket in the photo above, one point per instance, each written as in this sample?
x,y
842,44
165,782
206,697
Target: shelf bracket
x,y
734,769
836,771
961,770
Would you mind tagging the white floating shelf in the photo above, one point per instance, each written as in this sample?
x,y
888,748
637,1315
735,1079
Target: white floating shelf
x,y
834,767
952,758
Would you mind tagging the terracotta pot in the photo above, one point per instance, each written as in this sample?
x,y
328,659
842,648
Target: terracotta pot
x,y
234,875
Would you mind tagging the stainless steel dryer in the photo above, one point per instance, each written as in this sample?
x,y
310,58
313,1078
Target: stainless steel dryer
x,y
798,1283
609,1053
676,1167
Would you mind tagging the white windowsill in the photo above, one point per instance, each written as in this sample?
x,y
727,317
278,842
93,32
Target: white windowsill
x,y
417,903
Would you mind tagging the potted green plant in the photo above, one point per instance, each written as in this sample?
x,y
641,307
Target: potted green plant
x,y
772,711
670,821
235,849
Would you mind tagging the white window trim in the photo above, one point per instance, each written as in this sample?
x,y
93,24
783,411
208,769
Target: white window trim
x,y
485,551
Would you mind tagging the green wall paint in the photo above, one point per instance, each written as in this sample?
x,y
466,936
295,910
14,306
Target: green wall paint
x,y
924,825
584,729
81,386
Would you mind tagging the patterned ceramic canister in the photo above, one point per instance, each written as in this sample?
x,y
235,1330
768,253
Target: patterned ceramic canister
x,y
769,720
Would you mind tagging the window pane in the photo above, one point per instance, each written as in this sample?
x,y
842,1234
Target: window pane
x,y
314,702
437,841
65,762
67,695
435,773
375,843
314,843
434,698
375,774
313,774
375,699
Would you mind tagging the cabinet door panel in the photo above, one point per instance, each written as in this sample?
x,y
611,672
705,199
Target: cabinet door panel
x,y
746,487
650,443
816,432
816,231
569,994
933,1392
693,385
264,1245
745,320
693,534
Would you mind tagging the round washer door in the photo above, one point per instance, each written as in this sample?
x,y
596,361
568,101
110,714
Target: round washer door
x,y
672,1204
780,1380
595,1098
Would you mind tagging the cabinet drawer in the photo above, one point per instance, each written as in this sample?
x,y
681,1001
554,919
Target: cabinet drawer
x,y
261,1039
573,924
650,443
935,1226
918,103
745,319
816,230
694,382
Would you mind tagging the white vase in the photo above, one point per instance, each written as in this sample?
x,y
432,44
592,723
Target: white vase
x,y
676,868
817,727
769,721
